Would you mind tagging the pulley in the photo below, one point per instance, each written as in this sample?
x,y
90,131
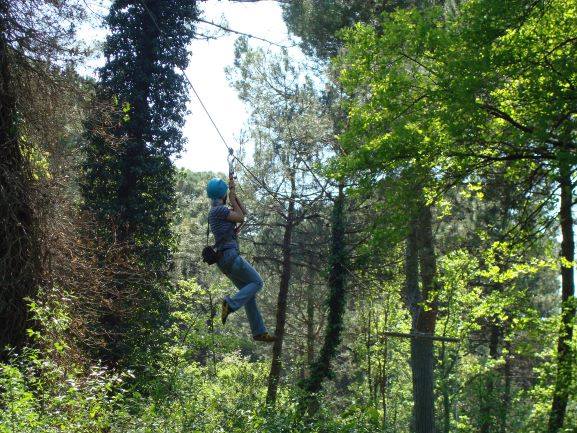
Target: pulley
x,y
230,159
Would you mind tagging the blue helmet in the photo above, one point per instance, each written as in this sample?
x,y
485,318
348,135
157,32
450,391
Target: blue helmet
x,y
216,188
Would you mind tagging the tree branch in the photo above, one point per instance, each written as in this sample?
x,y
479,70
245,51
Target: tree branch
x,y
248,35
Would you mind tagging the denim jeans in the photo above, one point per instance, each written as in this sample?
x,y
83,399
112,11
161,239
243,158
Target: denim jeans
x,y
248,282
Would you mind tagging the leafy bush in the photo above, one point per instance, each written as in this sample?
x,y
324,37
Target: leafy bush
x,y
41,396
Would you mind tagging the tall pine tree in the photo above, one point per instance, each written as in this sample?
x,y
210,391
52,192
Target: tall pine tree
x,y
128,184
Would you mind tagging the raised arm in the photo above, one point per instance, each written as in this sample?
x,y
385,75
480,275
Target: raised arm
x,y
236,214
241,205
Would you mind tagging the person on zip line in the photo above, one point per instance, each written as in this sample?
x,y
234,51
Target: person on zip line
x,y
223,222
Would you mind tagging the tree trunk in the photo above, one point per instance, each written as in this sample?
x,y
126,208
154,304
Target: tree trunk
x,y
422,367
385,371
19,264
368,344
422,348
568,308
310,328
487,410
276,363
446,410
412,293
336,302
504,413
445,389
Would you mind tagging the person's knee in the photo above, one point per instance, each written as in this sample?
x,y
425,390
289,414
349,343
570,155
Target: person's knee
x,y
259,284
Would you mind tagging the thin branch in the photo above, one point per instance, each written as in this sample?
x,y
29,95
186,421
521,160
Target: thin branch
x,y
248,35
420,335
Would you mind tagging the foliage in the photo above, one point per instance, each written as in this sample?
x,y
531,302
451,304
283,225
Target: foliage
x,y
129,182
37,55
465,110
460,99
128,179
318,23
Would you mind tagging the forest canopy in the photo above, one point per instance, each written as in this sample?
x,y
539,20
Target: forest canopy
x,y
403,189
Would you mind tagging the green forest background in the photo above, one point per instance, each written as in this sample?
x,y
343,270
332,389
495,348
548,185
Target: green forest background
x,y
410,203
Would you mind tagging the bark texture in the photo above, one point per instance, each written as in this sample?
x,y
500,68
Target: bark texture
x,y
420,261
276,363
568,307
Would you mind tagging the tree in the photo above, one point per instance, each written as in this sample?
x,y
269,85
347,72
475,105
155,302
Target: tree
x,y
521,105
402,183
502,110
129,176
321,367
289,136
32,41
318,22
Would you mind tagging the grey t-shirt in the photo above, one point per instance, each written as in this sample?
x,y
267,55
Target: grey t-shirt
x,y
222,229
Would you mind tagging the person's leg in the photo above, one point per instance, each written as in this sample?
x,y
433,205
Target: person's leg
x,y
247,280
257,326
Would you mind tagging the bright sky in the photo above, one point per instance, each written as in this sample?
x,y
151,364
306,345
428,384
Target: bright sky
x,y
205,150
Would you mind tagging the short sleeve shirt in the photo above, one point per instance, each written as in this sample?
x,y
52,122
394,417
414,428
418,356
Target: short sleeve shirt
x,y
222,229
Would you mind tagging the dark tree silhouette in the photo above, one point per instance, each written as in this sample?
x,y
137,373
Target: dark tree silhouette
x,y
321,367
31,38
129,176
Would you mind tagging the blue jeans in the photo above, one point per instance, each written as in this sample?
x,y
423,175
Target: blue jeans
x,y
248,282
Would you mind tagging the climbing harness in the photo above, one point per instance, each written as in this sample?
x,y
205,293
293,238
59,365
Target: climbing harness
x,y
210,254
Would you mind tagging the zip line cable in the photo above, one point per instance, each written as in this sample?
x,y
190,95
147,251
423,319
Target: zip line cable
x,y
261,183
258,38
229,148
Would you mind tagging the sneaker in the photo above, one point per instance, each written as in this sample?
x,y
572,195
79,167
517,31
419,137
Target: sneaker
x,y
266,337
225,311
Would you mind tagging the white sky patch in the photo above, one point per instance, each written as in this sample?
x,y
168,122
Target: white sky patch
x,y
92,34
205,150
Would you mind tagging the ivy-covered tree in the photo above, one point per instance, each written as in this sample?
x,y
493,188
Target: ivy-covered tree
x,y
129,176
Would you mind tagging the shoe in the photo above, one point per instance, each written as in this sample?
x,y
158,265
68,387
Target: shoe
x,y
266,337
225,311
